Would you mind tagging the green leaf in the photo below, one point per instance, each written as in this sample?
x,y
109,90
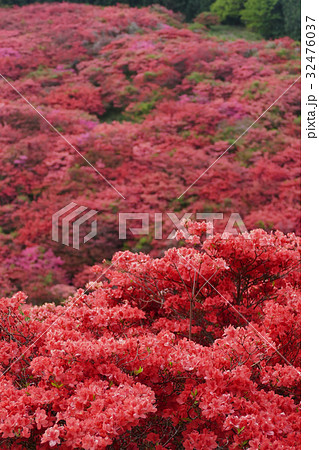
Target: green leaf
x,y
138,371
194,393
57,385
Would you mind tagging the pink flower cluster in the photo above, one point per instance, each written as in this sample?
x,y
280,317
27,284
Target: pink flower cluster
x,y
199,348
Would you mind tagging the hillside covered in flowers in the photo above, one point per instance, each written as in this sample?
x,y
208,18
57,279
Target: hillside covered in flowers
x,y
145,343
150,102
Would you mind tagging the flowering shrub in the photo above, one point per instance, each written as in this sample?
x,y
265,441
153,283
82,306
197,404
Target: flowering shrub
x,y
197,349
206,18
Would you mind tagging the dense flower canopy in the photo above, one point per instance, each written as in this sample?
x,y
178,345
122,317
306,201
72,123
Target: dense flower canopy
x,y
185,344
151,104
197,349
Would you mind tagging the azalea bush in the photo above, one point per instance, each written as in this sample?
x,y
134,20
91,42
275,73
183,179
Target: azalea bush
x,y
197,349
